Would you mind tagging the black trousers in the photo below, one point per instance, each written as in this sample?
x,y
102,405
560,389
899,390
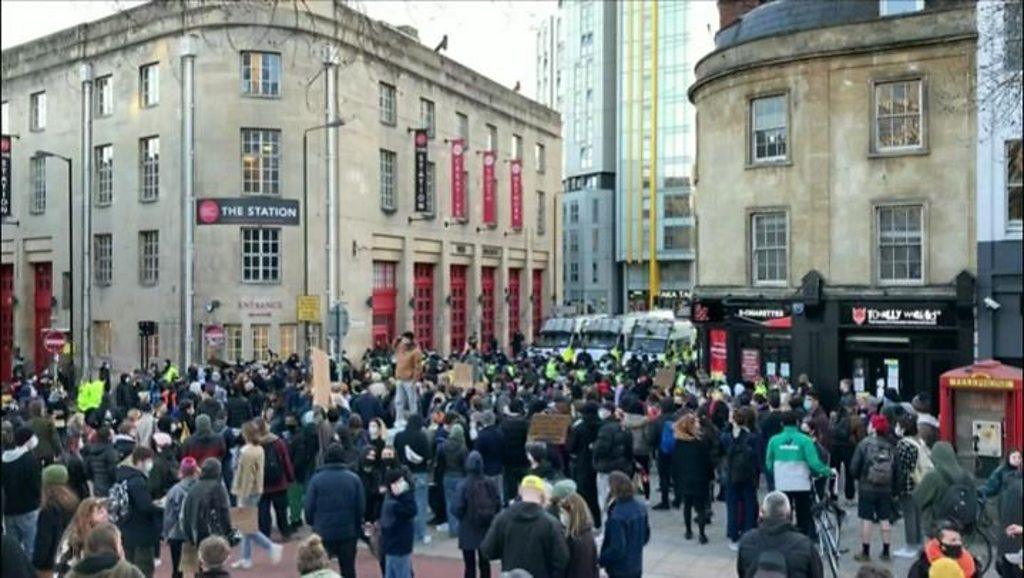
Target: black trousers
x,y
175,547
645,466
345,552
664,476
474,560
695,505
801,503
279,500
843,456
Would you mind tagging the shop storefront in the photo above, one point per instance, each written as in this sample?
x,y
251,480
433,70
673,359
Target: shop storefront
x,y
742,341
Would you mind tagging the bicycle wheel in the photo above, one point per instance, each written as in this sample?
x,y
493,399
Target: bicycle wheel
x,y
827,544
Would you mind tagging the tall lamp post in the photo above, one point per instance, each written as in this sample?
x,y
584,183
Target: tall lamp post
x,y
41,154
305,209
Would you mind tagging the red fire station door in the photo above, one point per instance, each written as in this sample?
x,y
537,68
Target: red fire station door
x,y
458,304
43,273
513,303
538,300
6,322
423,305
487,307
385,295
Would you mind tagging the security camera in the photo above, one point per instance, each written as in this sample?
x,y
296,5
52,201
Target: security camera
x,y
991,303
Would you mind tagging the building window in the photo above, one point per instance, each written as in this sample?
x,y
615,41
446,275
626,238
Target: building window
x,y
102,338
260,342
314,333
261,73
37,168
676,206
899,118
542,212
894,7
388,161
517,147
149,168
462,121
574,242
103,92
5,118
677,238
574,272
104,167
149,257
233,342
769,134
261,255
287,333
595,210
1014,172
574,212
261,161
593,272
586,156
151,346
37,111
149,85
900,244
541,157
388,104
492,138
427,119
103,258
769,248
1012,36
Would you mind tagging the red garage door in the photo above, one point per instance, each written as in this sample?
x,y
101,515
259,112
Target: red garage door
x,y
423,305
6,322
43,309
487,275
458,284
385,295
538,300
513,302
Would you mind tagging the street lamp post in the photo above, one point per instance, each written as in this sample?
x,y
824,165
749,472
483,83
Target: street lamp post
x,y
305,210
41,154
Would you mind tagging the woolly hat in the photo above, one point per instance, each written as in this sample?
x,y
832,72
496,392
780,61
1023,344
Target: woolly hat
x,y
880,424
945,568
187,467
55,475
562,489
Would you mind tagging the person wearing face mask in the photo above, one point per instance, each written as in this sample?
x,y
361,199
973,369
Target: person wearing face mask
x,y
22,486
948,544
1005,486
579,534
140,526
476,502
874,467
396,525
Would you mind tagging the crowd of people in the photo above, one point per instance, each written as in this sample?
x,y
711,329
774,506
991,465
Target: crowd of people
x,y
98,475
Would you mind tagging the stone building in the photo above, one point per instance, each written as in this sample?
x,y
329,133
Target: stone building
x,y
462,257
835,179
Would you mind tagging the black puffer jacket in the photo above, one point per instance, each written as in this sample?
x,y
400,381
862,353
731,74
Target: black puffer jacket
x,y
101,466
144,521
802,559
513,433
613,449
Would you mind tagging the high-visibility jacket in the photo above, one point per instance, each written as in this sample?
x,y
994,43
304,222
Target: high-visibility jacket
x,y
90,395
568,354
171,374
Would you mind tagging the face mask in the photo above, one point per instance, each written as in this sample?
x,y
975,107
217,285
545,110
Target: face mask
x,y
564,518
147,467
807,405
951,551
899,431
399,487
374,430
603,413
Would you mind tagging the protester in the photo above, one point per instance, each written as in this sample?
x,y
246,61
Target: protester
x,y
874,466
247,488
16,563
104,556
204,443
408,367
48,447
740,446
172,532
845,431
335,508
524,536
913,461
477,500
412,448
397,525
455,455
626,531
776,545
101,459
213,554
22,487
1005,485
206,510
90,513
278,474
138,518
693,472
792,460
612,451
579,533
947,544
56,509
71,457
313,559
947,492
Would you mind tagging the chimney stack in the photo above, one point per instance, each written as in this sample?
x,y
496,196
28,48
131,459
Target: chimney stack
x,y
729,11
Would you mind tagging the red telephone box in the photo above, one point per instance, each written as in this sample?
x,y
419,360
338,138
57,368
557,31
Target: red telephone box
x,y
486,306
423,305
981,410
43,310
513,303
458,304
385,296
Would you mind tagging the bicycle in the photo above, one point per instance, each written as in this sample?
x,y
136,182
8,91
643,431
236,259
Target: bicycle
x,y
828,523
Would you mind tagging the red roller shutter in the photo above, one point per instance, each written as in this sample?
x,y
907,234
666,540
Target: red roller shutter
x,y
458,304
43,273
385,295
513,302
423,305
538,300
487,275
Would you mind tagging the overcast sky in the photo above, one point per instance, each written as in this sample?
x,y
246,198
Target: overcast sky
x,y
495,38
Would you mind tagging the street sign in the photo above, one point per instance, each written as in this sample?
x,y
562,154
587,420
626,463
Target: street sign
x,y
5,176
337,325
53,341
213,334
307,308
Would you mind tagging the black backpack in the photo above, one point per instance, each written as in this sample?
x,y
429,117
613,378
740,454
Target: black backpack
x,y
273,469
880,464
742,461
482,502
769,564
839,430
960,504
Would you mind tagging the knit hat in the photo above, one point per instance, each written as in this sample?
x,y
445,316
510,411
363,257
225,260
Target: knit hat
x,y
55,475
187,467
532,483
562,489
22,435
945,568
880,424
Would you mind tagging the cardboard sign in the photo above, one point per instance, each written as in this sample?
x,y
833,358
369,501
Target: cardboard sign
x,y
551,428
462,375
665,378
321,385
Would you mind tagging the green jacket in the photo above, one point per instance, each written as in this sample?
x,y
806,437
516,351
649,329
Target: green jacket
x,y
929,493
792,458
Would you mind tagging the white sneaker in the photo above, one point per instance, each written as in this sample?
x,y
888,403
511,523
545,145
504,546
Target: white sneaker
x,y
442,527
241,564
427,540
276,551
734,546
906,552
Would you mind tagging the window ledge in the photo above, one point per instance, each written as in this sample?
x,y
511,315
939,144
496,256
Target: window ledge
x,y
914,152
769,164
899,284
261,96
146,201
388,210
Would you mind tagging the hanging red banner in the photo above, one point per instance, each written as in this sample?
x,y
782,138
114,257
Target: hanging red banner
x,y
490,197
719,352
458,180
516,170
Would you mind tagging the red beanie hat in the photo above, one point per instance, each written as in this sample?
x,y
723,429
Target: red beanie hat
x,y
880,424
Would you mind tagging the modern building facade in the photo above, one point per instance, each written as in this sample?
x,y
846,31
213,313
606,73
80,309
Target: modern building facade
x,y
550,52
668,38
835,239
464,240
1000,169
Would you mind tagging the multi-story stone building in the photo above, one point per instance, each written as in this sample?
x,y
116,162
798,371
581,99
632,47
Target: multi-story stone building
x,y
473,254
836,179
1000,170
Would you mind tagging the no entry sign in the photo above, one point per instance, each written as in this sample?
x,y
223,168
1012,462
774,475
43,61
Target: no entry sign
x,y
54,341
214,334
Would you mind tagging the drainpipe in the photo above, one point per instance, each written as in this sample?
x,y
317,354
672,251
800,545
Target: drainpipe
x,y
188,57
331,60
86,345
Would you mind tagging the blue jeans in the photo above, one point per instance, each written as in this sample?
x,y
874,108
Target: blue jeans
x,y
23,529
421,483
451,483
741,509
398,566
259,538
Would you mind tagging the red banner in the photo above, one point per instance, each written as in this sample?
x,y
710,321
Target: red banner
x,y
490,197
458,180
516,171
719,352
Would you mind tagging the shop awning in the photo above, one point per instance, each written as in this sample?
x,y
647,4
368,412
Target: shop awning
x,y
780,322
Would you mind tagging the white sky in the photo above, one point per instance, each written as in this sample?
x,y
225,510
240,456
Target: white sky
x,y
495,38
